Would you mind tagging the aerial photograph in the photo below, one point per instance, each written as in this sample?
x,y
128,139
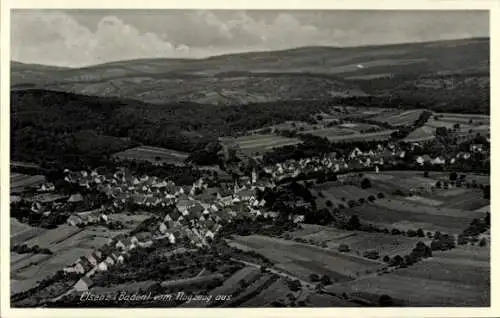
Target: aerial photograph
x,y
249,158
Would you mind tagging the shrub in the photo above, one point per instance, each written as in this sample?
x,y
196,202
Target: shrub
x,y
314,278
420,233
325,280
371,254
344,248
366,183
482,243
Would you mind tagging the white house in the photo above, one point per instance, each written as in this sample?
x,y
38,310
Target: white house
x,y
83,284
102,267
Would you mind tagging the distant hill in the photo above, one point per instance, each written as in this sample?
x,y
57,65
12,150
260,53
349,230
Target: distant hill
x,y
435,70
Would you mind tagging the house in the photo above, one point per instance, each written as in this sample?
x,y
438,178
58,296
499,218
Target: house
x,y
92,260
163,228
423,159
75,198
74,220
438,161
97,255
246,195
102,267
183,205
119,244
109,261
83,284
209,234
298,219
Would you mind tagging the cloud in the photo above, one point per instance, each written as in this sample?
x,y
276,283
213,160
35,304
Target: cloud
x,y
78,39
58,39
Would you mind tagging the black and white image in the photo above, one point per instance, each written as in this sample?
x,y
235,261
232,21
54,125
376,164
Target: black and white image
x,y
249,158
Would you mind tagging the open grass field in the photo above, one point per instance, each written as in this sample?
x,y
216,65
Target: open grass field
x,y
324,300
132,287
399,117
20,232
264,142
424,133
358,242
460,277
302,260
330,133
53,237
277,291
424,200
377,136
66,242
335,193
21,182
404,219
153,154
51,265
470,200
253,290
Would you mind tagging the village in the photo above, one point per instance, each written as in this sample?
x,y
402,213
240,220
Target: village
x,y
197,213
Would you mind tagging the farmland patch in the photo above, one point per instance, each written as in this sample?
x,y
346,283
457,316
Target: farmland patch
x,y
153,155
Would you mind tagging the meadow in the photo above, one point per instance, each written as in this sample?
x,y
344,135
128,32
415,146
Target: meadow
x,y
21,182
399,117
153,155
263,142
301,260
459,277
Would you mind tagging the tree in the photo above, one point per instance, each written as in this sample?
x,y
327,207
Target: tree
x,y
386,259
482,242
420,233
487,219
397,261
325,280
353,223
486,192
453,176
314,278
385,301
366,183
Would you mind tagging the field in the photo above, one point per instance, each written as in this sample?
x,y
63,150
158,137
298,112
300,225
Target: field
x,y
21,182
20,232
421,134
466,122
336,193
67,244
460,277
399,117
405,216
302,260
332,132
358,242
378,136
449,210
153,155
262,143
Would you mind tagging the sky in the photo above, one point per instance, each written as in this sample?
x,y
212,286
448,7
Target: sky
x,y
76,38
